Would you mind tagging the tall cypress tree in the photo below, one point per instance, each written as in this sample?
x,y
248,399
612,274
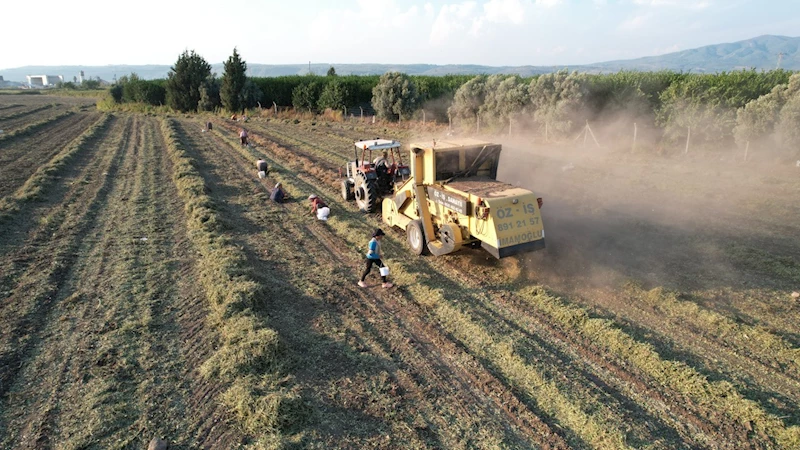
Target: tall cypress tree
x,y
233,83
184,80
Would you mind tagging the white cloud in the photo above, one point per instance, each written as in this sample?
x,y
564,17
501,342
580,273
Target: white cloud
x,y
548,3
636,22
690,4
662,51
370,16
452,19
500,11
473,19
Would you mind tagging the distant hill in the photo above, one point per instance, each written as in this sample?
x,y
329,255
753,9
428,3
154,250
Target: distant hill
x,y
759,53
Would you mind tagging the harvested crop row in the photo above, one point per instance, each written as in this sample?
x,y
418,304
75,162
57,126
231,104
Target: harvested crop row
x,y
33,127
38,289
23,159
112,370
594,430
9,122
248,362
713,325
430,355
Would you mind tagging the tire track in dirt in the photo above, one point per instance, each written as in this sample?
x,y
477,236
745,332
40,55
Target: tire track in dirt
x,y
437,358
21,157
694,418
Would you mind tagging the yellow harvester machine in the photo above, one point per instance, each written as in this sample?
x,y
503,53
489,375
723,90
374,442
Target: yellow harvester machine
x,y
453,199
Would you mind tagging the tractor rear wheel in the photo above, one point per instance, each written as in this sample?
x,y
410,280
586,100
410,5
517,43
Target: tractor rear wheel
x,y
416,237
347,190
366,193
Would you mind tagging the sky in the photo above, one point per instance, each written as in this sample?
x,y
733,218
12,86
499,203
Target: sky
x,y
483,32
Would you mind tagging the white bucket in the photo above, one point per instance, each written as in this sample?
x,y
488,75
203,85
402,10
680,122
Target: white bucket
x,y
262,174
384,271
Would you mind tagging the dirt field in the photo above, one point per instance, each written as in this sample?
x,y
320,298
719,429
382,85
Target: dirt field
x,y
150,289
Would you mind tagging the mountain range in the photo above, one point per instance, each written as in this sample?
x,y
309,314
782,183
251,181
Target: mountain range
x,y
761,53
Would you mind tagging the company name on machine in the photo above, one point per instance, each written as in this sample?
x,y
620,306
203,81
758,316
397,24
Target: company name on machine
x,y
454,202
520,238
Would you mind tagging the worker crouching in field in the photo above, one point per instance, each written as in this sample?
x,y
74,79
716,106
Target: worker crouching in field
x,y
374,257
243,137
278,195
319,207
263,168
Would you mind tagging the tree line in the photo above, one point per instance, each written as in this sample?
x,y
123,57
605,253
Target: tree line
x,y
739,107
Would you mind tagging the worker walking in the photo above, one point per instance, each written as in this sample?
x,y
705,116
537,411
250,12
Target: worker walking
x,y
374,257
243,136
319,207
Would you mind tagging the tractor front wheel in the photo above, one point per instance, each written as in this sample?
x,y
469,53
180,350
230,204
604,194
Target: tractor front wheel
x,y
347,191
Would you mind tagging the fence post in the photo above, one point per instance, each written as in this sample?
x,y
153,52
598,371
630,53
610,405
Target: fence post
x,y
275,106
449,123
478,116
594,138
423,117
585,133
633,148
746,147
362,112
688,135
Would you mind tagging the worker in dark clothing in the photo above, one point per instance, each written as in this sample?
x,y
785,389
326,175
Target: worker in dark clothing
x,y
277,195
243,137
262,166
374,257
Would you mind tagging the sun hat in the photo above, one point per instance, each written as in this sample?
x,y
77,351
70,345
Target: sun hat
x,y
277,185
378,232
312,196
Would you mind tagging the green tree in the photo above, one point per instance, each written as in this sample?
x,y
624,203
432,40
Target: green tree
x,y
209,94
305,96
251,94
395,96
505,97
469,98
557,100
333,96
233,82
184,81
331,72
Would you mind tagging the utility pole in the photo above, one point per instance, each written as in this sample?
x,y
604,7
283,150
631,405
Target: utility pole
x,y
780,57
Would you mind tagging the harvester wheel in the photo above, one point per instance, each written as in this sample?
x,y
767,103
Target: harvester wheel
x,y
347,191
416,237
366,193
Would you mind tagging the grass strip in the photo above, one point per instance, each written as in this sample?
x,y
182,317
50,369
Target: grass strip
x,y
45,174
720,396
250,357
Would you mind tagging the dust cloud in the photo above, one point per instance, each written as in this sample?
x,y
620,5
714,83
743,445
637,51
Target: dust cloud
x,y
613,213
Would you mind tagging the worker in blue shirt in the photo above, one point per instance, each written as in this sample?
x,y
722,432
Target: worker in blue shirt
x,y
374,257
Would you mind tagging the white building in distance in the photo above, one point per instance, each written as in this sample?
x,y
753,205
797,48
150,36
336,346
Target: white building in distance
x,y
44,80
